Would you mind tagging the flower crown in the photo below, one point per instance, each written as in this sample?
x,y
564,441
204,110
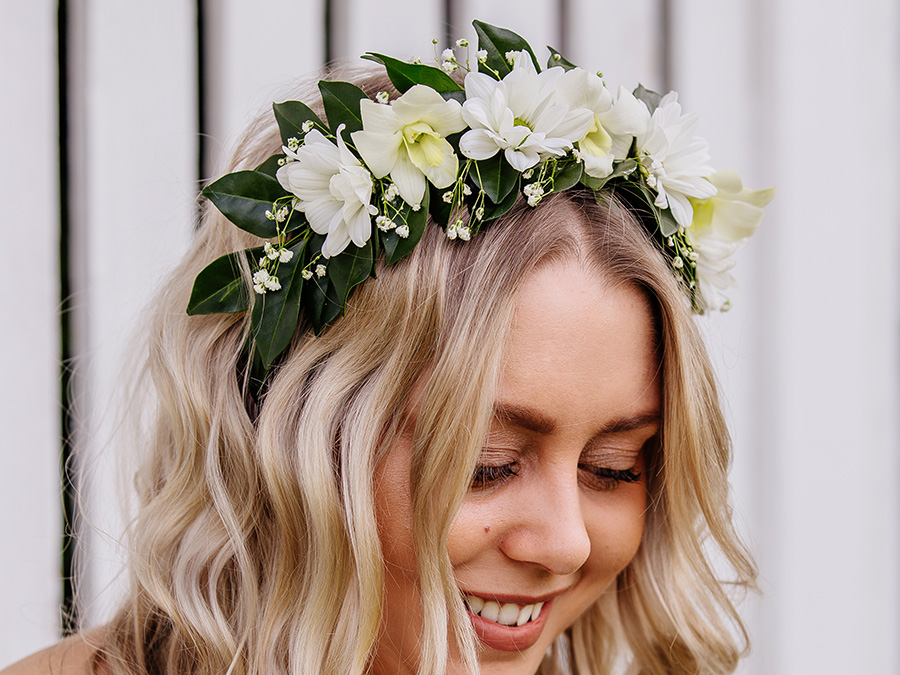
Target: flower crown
x,y
372,174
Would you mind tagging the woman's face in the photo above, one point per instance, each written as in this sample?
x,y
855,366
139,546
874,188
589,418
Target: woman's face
x,y
556,507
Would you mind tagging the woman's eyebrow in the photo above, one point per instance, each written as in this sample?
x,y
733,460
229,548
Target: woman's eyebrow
x,y
534,421
523,417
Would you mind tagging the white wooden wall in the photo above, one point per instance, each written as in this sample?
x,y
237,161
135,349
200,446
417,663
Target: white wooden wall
x,y
796,93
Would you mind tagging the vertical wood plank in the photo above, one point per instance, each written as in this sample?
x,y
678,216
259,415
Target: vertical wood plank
x,y
135,175
401,28
255,50
30,503
538,21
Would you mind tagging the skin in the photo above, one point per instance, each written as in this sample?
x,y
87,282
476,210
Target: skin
x,y
578,394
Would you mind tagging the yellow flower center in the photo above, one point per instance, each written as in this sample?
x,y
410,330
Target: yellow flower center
x,y
596,141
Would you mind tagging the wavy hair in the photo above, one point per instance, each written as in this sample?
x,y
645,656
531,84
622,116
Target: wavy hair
x,y
255,548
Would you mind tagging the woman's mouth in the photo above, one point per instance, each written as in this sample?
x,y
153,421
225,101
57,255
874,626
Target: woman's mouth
x,y
507,626
507,613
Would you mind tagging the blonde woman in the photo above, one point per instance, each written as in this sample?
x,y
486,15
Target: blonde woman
x,y
503,454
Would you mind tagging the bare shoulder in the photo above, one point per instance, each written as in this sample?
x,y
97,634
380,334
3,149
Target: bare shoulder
x,y
72,656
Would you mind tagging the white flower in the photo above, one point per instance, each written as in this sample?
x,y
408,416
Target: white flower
x,y
333,189
407,140
613,126
534,192
320,270
462,42
270,251
306,274
519,115
285,255
481,55
272,284
384,223
403,231
447,197
448,55
675,159
464,233
721,225
479,213
383,97
262,281
449,67
391,193
307,126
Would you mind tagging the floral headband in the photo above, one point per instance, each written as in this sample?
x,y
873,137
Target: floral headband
x,y
345,192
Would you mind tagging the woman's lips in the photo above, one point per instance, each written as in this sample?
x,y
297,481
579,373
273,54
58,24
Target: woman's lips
x,y
507,626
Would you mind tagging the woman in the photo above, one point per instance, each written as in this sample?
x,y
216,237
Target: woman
x,y
505,454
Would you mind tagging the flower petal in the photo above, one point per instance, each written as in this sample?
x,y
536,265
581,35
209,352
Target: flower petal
x,y
410,181
379,151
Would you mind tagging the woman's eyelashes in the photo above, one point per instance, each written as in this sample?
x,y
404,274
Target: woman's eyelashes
x,y
599,478
487,476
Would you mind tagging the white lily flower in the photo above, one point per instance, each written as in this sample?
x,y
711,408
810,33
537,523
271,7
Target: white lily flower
x,y
407,139
721,225
519,115
614,124
675,159
333,189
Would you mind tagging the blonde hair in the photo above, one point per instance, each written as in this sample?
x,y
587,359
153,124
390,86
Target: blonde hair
x,y
255,548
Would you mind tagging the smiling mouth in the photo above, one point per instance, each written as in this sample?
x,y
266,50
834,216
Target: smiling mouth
x,y
506,614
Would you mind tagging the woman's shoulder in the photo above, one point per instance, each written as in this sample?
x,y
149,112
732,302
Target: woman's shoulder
x,y
72,656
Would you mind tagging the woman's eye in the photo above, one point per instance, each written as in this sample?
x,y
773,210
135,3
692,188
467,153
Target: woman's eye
x,y
486,476
603,479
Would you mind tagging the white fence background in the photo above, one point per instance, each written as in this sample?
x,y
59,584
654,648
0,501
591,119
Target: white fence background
x,y
797,93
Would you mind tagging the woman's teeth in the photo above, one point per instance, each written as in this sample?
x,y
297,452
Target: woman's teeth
x,y
508,614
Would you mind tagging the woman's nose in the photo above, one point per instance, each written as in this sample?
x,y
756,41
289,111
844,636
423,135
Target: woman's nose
x,y
549,528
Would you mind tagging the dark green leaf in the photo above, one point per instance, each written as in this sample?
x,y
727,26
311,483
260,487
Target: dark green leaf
x,y
497,42
244,197
275,314
458,96
341,100
395,246
439,209
620,170
648,96
351,267
404,75
557,59
493,211
667,223
221,287
566,177
270,166
290,116
495,176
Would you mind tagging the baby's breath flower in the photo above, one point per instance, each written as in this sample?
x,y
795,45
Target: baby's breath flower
x,y
270,251
403,231
527,174
479,213
273,284
306,274
448,55
415,60
293,143
383,97
481,55
384,223
510,57
416,207
320,270
285,255
259,288
307,126
677,263
464,233
462,42
281,214
263,261
449,67
466,190
534,192
281,161
447,197
451,231
392,192
270,215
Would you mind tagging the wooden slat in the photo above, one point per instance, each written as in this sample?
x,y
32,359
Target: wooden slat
x,y
134,175
30,504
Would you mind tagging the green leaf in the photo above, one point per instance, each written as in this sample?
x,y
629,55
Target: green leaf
x,y
270,166
493,211
351,267
290,116
566,177
495,176
557,59
667,223
497,42
341,100
648,96
395,246
244,197
620,170
404,75
275,314
221,287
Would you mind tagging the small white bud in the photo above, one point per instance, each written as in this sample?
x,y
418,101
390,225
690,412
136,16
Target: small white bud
x,y
462,42
403,231
382,97
307,126
306,274
320,270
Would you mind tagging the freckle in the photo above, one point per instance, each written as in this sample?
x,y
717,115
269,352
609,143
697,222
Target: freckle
x,y
487,528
